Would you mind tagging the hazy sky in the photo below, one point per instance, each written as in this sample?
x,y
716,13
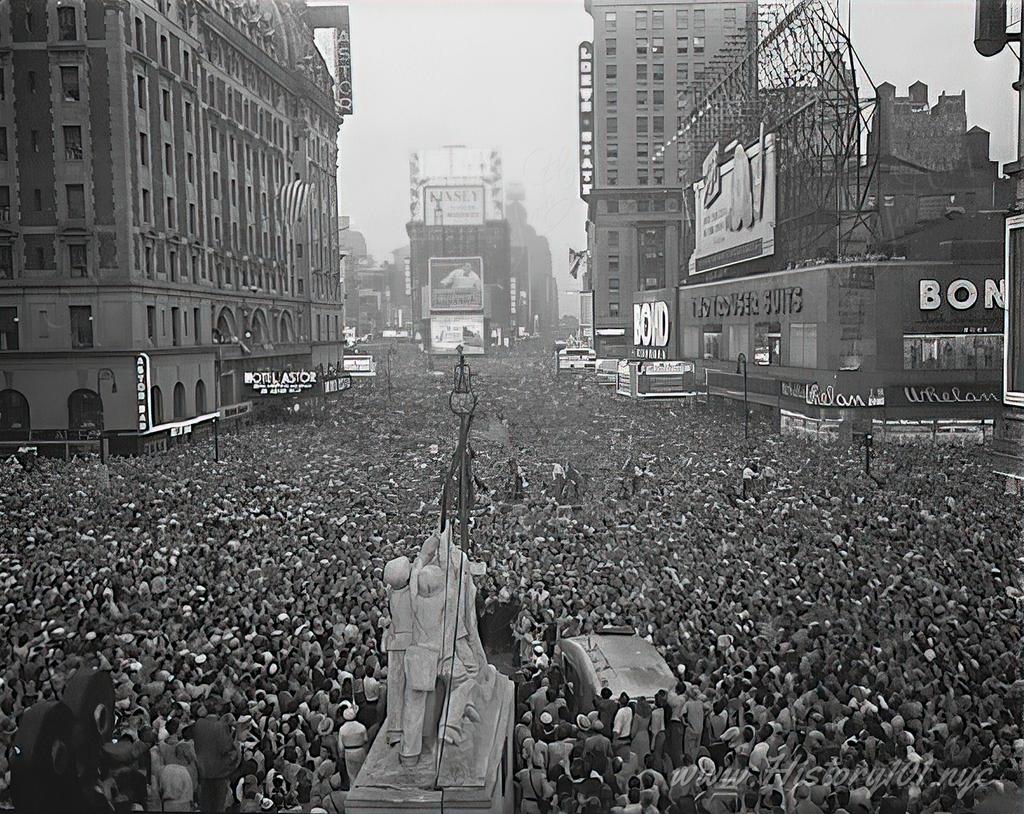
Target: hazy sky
x,y
502,73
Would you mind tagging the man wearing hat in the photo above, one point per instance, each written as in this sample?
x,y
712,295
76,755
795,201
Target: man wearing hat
x,y
354,742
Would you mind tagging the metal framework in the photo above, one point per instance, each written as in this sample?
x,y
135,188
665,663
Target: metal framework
x,y
796,71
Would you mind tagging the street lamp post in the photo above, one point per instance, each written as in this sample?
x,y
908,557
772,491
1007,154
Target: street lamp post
x,y
868,440
113,389
741,360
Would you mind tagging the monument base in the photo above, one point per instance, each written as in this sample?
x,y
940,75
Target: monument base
x,y
474,776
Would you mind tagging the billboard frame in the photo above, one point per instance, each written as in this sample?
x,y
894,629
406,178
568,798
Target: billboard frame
x,y
454,309
1011,398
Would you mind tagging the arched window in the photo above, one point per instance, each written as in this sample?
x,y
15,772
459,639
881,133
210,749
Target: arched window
x,y
200,397
157,398
179,400
259,329
85,410
287,329
226,325
14,414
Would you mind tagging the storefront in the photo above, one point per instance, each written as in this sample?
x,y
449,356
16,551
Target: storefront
x,y
903,348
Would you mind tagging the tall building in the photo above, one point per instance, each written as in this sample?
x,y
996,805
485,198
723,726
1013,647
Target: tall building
x,y
647,58
533,295
459,249
145,264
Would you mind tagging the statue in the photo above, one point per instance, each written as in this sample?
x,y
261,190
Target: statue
x,y
438,673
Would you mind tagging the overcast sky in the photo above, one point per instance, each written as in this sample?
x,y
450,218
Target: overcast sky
x,y
502,73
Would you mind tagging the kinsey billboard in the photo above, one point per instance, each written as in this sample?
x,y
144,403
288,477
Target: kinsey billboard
x,y
456,283
457,168
735,206
453,206
447,333
586,114
280,382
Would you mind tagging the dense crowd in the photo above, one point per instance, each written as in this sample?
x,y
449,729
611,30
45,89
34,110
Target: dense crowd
x,y
842,644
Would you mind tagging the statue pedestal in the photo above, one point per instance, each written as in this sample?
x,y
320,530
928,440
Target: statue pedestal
x,y
475,776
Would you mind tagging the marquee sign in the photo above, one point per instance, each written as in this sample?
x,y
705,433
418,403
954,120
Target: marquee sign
x,y
280,382
650,330
586,112
144,407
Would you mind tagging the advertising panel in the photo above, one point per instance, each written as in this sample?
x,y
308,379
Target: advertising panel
x,y
955,302
665,379
586,114
457,167
735,206
447,333
359,366
456,283
650,330
337,384
1013,364
279,382
814,394
587,318
453,205
950,395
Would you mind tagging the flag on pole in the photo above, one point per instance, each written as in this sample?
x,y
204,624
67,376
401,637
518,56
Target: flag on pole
x,y
576,260
293,201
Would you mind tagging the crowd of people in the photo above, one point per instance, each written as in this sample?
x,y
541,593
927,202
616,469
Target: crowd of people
x,y
841,644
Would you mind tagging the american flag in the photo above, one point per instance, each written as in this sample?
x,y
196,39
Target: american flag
x,y
577,260
293,201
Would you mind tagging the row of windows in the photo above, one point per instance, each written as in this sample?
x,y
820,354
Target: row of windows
x,y
710,343
655,46
79,321
730,17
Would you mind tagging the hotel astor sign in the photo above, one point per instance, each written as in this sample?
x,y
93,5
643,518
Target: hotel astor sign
x,y
650,330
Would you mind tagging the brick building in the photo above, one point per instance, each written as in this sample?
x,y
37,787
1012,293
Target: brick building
x,y
143,144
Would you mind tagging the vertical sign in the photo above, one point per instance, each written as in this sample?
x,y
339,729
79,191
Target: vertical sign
x,y
1013,352
343,66
513,292
408,276
143,410
586,111
587,318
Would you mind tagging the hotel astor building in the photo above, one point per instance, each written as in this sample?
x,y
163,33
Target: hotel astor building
x,y
145,264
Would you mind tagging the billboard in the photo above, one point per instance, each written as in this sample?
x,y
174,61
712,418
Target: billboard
x,y
447,333
453,205
735,206
456,283
586,113
1013,355
456,168
650,330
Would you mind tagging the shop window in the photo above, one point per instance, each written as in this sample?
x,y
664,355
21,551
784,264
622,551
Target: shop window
x,y
768,344
14,411
803,344
85,410
691,341
9,328
739,341
712,343
953,352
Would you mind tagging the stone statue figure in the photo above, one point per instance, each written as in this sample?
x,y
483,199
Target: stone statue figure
x,y
438,675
